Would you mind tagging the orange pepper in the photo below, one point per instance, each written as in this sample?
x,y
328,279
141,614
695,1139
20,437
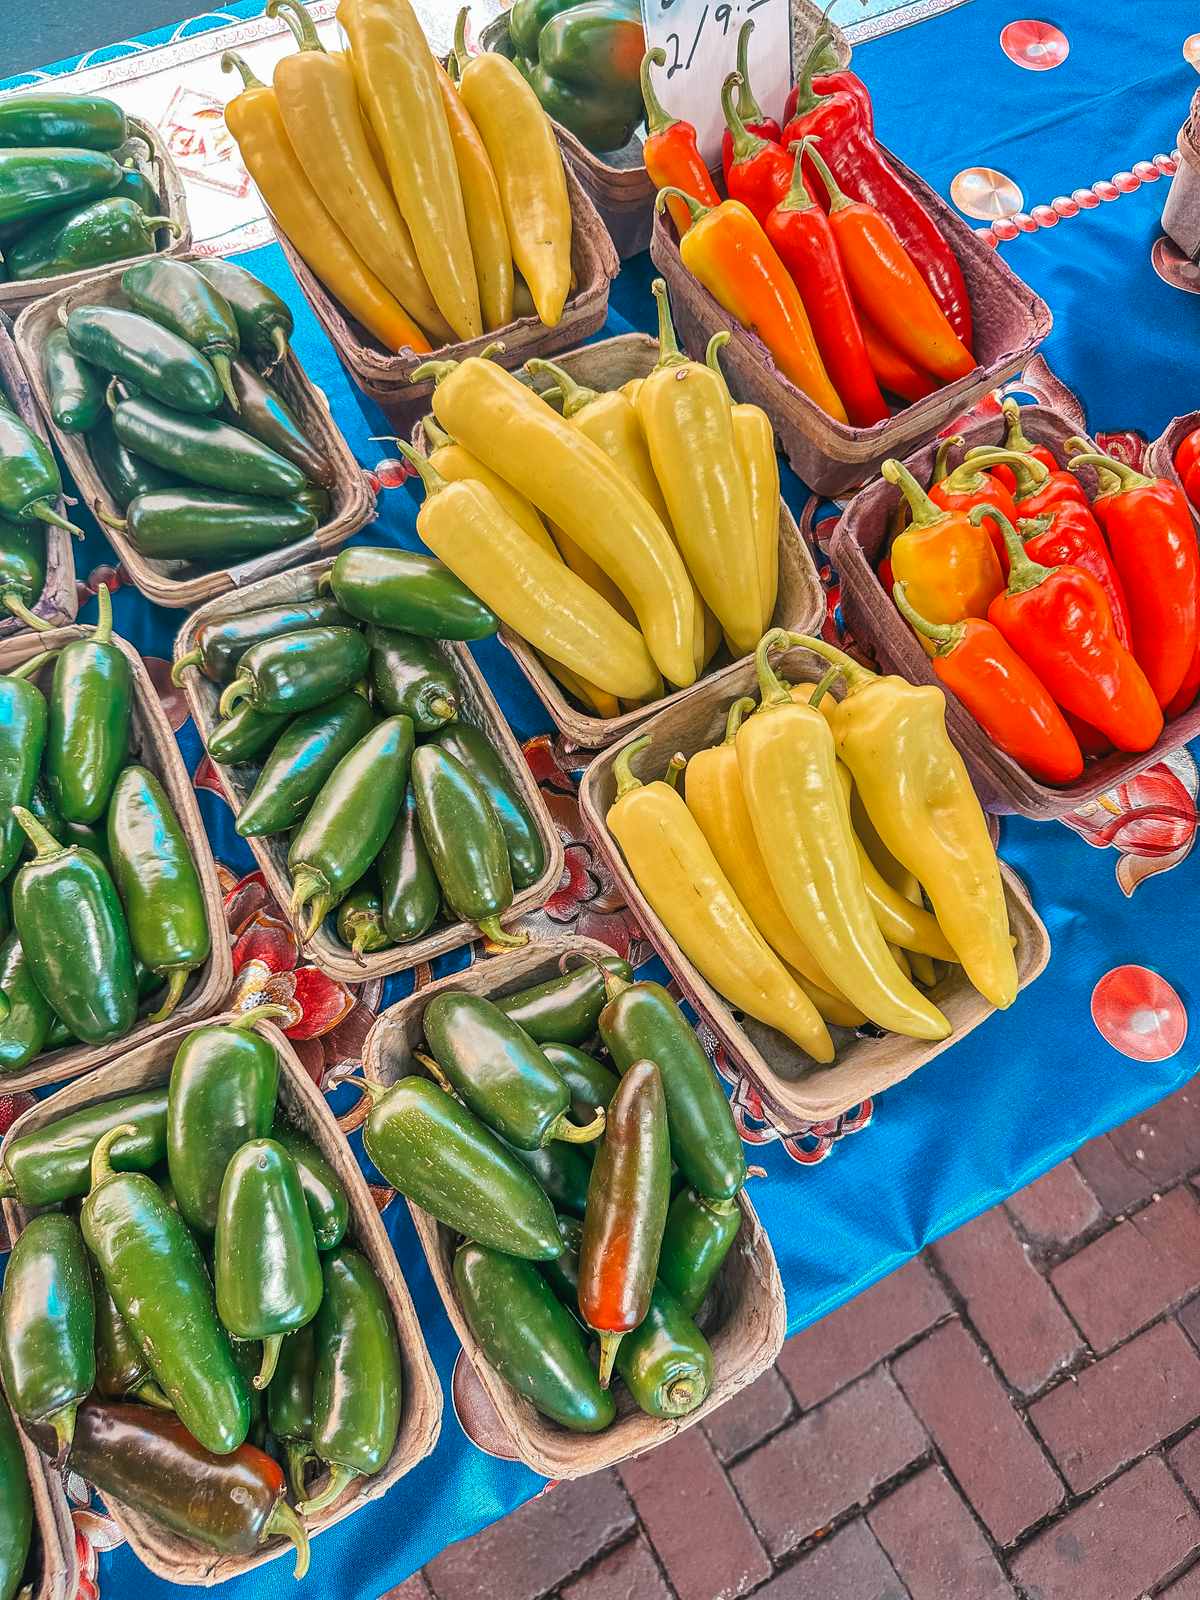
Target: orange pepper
x,y
726,250
946,563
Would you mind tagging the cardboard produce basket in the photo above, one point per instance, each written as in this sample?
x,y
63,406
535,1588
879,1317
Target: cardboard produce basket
x,y
53,1567
797,1089
187,583
168,1554
744,1319
155,161
154,746
858,544
386,378
800,605
476,705
1160,457
58,601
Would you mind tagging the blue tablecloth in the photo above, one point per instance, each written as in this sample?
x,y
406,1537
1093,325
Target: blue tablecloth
x,y
1028,1087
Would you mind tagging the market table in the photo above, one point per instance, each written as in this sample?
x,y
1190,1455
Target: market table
x,y
1113,888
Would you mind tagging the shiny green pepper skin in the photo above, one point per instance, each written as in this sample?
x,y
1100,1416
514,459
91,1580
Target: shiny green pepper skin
x,y
297,671
71,121
262,411
360,921
465,842
327,1204
25,1031
264,320
90,710
212,525
221,643
48,1325
110,229
76,390
204,450
151,358
410,895
303,757
591,1084
123,474
35,182
16,1507
290,1404
49,1165
565,1010
24,719
173,294
698,1237
411,677
471,747
246,734
397,589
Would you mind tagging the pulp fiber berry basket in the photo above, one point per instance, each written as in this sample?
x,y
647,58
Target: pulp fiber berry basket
x,y
53,1565
168,1554
871,616
744,1319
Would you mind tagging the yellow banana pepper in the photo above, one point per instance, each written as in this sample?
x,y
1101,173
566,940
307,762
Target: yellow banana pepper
x,y
833,1008
592,573
596,700
801,819
533,592
490,249
518,137
631,388
915,788
677,872
576,487
256,123
398,84
754,441
454,463
684,411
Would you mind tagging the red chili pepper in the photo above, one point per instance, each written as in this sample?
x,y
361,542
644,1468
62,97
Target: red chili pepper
x,y
969,485
1184,697
1009,702
754,118
670,153
1091,741
1153,542
1059,622
826,76
1188,452
801,234
866,174
1191,483
760,172
1069,535
894,371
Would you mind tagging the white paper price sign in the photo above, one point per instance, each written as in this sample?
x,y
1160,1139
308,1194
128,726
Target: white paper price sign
x,y
700,41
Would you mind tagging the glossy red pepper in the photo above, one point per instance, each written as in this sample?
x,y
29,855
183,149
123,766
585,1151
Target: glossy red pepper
x,y
1069,535
760,171
836,80
1153,542
754,118
974,484
894,371
801,234
670,152
1191,483
1016,439
1188,452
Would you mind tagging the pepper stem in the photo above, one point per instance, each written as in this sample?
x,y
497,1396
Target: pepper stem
x,y
1023,571
1014,434
319,910
45,513
1128,477
746,145
375,1092
696,208
31,668
437,370
298,1453
947,634
921,508
102,1168
460,52
491,929
669,353
288,1524
748,107
340,1479
837,200
193,658
608,1355
572,1133
771,688
280,343
575,396
63,1423
679,1396
150,1394
968,477
857,676
623,769
271,1346
220,365
712,357
798,198
806,100
233,694
658,119
299,21
103,631
42,840
674,767
434,1069
941,461
14,603
442,706
107,519
176,984
263,1013
431,479
824,684
435,435
737,711
232,62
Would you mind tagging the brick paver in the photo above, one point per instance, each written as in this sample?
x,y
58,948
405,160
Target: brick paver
x,y
627,1573
1057,1209
935,1544
750,1417
849,1566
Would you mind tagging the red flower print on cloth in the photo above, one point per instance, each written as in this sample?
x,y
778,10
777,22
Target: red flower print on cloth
x,y
1139,1014
174,701
95,1533
1150,821
1128,446
11,1107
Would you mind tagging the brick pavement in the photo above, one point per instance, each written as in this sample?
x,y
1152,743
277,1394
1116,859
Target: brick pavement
x,y
1015,1415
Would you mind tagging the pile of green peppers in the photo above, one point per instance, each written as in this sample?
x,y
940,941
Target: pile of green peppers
x,y
73,193
582,59
596,1198
196,1301
102,913
396,805
202,455
29,487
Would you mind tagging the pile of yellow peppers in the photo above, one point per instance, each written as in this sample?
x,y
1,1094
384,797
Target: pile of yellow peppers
x,y
434,211
795,869
623,539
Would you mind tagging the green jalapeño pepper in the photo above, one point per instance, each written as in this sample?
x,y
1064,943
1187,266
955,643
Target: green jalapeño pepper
x,y
222,643
29,479
358,1381
68,917
158,883
698,1237
626,1212
112,229
53,1164
204,450
156,1275
123,474
264,320
472,747
180,298
409,892
290,1405
502,1076
76,390
88,736
360,921
349,821
136,186
642,1021
259,408
25,1030
565,1010
439,1156
563,1172
48,1325
327,1204
23,721
591,1084
210,525
298,670
465,842
232,1502
121,1367
266,1267
397,589
531,1340
151,358
16,1507
411,677
224,1081
72,121
246,734
22,569
35,182
301,760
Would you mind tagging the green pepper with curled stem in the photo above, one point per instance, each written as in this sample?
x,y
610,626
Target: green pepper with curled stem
x,y
591,1084
566,1009
29,479
297,671
173,294
51,1164
16,1507
110,229
90,704
327,1203
146,355
300,761
410,894
76,390
290,1405
360,921
221,643
465,842
264,320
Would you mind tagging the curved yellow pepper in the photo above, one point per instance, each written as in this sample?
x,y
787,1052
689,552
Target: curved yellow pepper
x,y
754,441
256,123
454,463
490,249
533,592
597,700
679,875
576,487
